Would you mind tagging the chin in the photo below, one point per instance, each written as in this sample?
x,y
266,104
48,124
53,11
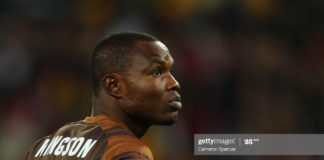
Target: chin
x,y
169,121
165,119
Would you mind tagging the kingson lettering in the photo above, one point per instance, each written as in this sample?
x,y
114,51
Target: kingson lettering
x,y
66,146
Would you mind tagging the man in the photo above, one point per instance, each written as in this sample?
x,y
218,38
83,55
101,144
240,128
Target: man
x,y
132,90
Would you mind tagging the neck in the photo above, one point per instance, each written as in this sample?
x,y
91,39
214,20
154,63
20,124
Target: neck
x,y
102,107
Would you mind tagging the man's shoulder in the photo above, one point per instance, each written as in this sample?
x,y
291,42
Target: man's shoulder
x,y
122,143
127,146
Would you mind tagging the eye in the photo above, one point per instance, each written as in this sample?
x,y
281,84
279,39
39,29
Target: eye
x,y
157,72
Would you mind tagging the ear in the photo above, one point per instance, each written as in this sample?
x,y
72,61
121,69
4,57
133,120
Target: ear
x,y
112,85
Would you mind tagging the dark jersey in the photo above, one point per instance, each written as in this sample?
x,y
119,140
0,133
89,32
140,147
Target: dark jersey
x,y
94,138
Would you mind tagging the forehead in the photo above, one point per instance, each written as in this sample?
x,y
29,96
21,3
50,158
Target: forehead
x,y
153,50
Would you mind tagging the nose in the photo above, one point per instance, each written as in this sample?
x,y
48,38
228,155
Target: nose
x,y
173,84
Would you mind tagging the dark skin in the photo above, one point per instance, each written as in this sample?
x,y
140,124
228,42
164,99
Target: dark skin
x,y
146,95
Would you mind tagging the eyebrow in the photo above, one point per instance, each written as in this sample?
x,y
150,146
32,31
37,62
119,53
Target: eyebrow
x,y
158,61
161,62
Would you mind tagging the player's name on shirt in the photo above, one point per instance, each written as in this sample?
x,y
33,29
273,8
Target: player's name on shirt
x,y
66,146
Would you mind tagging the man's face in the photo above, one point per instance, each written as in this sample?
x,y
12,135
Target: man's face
x,y
151,92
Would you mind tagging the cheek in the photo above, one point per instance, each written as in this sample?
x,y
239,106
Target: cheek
x,y
154,99
149,96
152,94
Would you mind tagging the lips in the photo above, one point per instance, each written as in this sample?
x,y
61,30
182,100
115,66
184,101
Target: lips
x,y
175,103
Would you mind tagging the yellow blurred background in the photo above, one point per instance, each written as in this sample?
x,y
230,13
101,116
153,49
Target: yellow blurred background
x,y
245,66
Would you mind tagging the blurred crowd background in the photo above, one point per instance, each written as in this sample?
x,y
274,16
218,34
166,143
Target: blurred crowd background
x,y
245,66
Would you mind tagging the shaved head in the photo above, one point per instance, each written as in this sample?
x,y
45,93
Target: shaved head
x,y
114,54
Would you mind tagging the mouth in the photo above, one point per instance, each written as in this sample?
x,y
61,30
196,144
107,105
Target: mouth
x,y
175,103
